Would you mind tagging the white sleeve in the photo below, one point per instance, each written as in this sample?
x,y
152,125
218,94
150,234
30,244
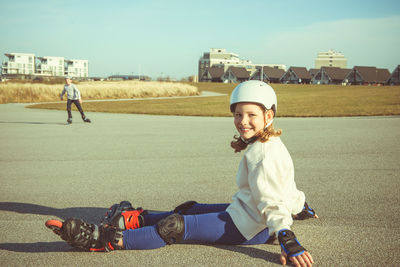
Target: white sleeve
x,y
269,184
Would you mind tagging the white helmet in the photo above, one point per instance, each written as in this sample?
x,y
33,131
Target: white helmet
x,y
256,92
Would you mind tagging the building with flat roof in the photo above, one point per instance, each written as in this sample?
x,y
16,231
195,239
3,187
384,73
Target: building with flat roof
x,y
19,64
220,58
50,66
77,68
23,64
330,59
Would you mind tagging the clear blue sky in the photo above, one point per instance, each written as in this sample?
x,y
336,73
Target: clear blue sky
x,y
168,37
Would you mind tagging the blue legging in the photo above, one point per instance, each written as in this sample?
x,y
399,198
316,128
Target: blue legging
x,y
205,223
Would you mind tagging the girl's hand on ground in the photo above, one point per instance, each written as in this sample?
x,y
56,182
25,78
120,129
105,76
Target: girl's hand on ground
x,y
304,259
314,217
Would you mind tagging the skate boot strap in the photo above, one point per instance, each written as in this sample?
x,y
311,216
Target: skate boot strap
x,y
80,234
131,219
124,216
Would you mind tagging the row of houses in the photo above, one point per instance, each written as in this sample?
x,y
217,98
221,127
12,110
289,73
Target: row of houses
x,y
129,78
358,75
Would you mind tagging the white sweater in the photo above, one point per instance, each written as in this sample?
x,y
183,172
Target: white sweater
x,y
267,194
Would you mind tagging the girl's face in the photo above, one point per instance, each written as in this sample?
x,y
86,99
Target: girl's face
x,y
249,119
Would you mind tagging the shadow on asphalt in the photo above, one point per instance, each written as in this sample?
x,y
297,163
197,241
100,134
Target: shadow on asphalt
x,y
93,215
253,252
37,247
89,214
34,122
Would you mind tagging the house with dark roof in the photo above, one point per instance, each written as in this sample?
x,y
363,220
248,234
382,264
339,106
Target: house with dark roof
x,y
235,75
296,75
128,77
213,74
313,72
269,74
362,75
394,78
330,75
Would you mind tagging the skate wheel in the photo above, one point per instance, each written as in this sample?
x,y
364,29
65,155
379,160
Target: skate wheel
x,y
54,224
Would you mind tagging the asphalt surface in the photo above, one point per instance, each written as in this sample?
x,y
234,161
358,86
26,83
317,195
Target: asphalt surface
x,y
347,167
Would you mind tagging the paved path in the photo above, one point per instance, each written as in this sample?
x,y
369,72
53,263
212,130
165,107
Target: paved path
x,y
348,168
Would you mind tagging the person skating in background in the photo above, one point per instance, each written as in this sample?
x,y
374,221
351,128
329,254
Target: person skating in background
x,y
74,96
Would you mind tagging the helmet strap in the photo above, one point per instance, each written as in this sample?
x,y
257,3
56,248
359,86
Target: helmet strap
x,y
250,140
268,124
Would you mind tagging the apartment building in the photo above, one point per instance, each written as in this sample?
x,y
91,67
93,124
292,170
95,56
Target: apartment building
x,y
77,68
22,65
330,59
50,66
220,58
19,64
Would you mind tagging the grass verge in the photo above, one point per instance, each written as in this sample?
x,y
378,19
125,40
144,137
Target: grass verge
x,y
15,92
293,101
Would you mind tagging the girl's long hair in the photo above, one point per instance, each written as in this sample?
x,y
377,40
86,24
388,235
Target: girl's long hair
x,y
263,136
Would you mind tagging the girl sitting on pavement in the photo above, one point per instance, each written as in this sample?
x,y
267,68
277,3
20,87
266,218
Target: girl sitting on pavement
x,y
262,210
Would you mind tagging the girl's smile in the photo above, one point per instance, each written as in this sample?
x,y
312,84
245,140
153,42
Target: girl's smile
x,y
249,119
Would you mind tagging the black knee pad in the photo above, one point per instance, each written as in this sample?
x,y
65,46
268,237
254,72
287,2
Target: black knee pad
x,y
172,228
184,207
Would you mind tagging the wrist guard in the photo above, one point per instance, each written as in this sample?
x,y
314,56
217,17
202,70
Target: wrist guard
x,y
289,243
306,213
109,238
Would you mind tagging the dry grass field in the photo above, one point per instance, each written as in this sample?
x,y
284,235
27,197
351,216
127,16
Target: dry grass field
x,y
39,92
293,101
